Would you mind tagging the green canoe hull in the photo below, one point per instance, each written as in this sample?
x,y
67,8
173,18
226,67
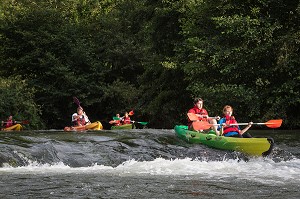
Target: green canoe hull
x,y
249,146
124,126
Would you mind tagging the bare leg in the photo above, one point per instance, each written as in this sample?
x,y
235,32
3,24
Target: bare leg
x,y
215,126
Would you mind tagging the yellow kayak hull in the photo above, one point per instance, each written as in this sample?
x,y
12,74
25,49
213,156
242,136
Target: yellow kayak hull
x,y
16,127
95,126
249,146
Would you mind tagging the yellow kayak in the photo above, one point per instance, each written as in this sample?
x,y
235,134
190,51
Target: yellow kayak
x,y
95,126
16,127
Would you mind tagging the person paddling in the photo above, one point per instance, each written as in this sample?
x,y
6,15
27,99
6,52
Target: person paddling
x,y
228,127
80,118
126,119
202,115
9,122
117,120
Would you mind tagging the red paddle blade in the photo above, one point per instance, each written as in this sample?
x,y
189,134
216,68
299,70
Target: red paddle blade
x,y
25,122
201,125
274,123
131,113
192,116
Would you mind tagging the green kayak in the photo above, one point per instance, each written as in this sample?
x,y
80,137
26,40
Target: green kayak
x,y
249,146
124,126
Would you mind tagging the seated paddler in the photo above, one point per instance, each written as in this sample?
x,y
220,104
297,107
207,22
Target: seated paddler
x,y
229,126
80,118
202,115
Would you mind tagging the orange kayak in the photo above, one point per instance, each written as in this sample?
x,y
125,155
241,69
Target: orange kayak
x,y
95,126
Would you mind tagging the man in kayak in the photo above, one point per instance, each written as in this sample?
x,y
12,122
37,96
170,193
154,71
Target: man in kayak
x,y
80,118
229,127
116,120
202,115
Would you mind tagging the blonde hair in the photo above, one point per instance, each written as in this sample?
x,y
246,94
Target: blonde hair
x,y
226,107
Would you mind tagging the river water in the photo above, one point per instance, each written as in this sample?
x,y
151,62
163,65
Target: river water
x,y
142,163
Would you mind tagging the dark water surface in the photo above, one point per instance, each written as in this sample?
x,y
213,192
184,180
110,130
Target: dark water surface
x,y
149,163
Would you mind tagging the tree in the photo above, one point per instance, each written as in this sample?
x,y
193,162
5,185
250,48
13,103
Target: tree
x,y
17,99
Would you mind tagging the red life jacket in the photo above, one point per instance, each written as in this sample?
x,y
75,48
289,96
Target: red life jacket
x,y
196,110
9,123
232,128
81,121
126,120
202,111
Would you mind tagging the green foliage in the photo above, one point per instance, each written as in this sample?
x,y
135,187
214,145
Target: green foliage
x,y
232,54
17,99
151,56
119,97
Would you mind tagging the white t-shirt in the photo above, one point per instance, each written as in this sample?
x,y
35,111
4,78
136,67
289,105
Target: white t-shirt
x,y
86,118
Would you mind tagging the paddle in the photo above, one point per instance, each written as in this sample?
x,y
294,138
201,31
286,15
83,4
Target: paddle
x,y
76,101
194,117
114,120
142,123
271,123
203,125
117,118
20,122
131,113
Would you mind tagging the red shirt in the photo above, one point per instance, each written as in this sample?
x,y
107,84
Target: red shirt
x,y
196,110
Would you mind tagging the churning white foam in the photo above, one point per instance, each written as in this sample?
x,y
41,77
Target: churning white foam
x,y
258,169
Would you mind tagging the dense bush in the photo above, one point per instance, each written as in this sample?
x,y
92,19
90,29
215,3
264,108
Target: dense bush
x,y
153,57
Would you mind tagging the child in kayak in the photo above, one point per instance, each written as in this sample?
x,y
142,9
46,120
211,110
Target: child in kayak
x,y
228,125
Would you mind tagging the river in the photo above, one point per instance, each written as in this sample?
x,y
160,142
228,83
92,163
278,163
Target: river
x,y
142,163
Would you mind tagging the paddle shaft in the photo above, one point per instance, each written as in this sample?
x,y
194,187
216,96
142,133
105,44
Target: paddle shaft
x,y
265,123
142,123
237,124
18,122
76,101
194,117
